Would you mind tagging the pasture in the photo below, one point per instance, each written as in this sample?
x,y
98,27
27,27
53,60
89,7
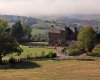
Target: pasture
x,y
38,31
53,70
43,24
50,69
33,52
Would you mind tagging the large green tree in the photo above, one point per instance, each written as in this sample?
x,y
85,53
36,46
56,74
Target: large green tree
x,y
86,38
26,29
8,45
17,30
3,25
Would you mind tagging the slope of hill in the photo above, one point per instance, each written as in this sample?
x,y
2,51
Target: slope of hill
x,y
79,19
12,18
33,22
45,22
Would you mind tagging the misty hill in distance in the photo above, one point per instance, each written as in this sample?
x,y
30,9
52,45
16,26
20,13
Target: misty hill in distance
x,y
47,21
12,18
78,16
79,19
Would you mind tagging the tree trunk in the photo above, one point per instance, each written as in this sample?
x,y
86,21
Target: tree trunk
x,y
0,59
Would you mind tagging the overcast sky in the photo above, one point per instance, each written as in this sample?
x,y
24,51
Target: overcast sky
x,y
49,7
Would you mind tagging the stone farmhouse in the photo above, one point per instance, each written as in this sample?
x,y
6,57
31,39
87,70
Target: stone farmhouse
x,y
62,36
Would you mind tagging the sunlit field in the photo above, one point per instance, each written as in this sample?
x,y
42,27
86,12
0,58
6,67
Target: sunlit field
x,y
33,52
53,70
84,69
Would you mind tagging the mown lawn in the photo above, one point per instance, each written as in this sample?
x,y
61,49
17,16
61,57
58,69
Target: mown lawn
x,y
34,51
53,70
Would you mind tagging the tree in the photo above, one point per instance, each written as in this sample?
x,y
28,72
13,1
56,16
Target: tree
x,y
34,37
3,25
26,29
8,45
86,38
96,51
73,50
17,30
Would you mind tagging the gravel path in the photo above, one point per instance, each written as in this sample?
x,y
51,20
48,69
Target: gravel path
x,y
61,55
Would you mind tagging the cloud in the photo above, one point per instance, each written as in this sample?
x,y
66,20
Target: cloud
x,y
49,7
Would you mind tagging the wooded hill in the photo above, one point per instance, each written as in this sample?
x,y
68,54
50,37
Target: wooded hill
x,y
45,23
12,19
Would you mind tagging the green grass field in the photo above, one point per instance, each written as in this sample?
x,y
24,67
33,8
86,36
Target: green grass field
x,y
50,69
38,31
43,24
53,70
35,51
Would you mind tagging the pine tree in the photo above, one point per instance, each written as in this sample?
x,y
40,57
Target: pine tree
x,y
17,30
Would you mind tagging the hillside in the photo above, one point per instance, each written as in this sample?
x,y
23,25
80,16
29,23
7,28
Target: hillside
x,y
47,21
12,18
79,19
33,22
44,22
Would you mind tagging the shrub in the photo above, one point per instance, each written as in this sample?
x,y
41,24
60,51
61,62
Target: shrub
x,y
90,54
73,52
73,46
42,53
96,51
29,56
36,55
47,56
51,55
12,60
63,50
54,55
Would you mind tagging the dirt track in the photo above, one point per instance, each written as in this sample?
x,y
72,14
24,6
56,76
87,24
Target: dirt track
x,y
61,55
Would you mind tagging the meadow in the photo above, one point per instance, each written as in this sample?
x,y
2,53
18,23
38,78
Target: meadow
x,y
53,70
50,69
43,24
38,31
34,51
